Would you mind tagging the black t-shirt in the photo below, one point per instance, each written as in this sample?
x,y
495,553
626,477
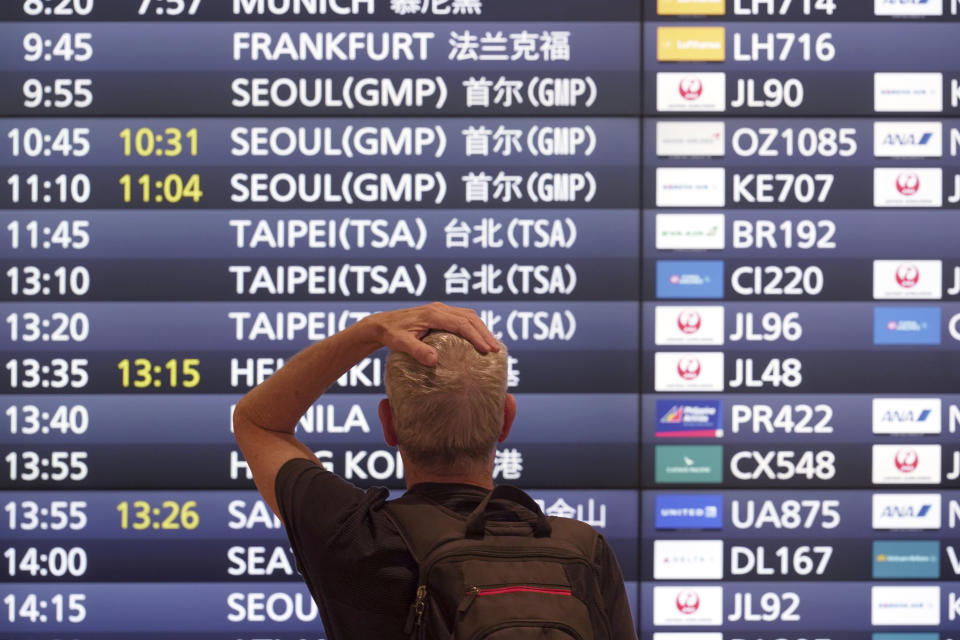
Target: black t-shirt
x,y
358,569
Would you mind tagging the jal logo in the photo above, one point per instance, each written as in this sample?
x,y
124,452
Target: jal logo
x,y
688,602
688,368
908,275
689,322
908,183
691,88
906,460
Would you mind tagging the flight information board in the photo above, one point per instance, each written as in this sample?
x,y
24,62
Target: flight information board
x,y
800,320
718,237
191,191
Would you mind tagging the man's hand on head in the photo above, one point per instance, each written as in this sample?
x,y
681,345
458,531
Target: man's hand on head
x,y
402,330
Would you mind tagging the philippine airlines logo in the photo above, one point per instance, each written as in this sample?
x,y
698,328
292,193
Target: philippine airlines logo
x,y
688,602
688,368
908,275
689,321
906,460
908,183
691,88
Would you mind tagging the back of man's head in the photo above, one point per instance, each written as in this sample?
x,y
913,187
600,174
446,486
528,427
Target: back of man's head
x,y
452,413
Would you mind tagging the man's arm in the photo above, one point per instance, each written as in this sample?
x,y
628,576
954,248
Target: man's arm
x,y
265,419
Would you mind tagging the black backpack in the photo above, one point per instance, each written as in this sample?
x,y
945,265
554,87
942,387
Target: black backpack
x,y
481,579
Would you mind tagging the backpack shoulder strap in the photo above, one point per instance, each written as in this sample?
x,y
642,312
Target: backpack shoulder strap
x,y
579,534
424,524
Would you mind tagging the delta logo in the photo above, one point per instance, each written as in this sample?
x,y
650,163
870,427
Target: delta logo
x,y
689,419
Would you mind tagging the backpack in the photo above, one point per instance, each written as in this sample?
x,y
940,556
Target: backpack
x,y
481,579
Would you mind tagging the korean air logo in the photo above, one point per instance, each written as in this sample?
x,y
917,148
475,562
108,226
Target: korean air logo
x,y
908,275
688,368
908,183
688,602
689,321
906,460
691,88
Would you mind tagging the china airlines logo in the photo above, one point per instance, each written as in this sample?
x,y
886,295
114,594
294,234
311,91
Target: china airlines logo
x,y
906,460
688,602
908,183
908,276
688,368
689,322
691,88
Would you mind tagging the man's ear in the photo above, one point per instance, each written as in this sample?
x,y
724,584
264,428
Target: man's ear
x,y
509,413
386,420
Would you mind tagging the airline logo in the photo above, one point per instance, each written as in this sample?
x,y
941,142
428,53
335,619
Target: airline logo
x,y
700,464
908,8
914,511
907,187
907,139
688,326
906,464
691,187
906,416
906,559
904,606
690,231
688,606
702,419
919,92
907,279
691,8
688,371
906,325
904,636
692,636
688,559
692,91
691,44
689,512
690,278
690,139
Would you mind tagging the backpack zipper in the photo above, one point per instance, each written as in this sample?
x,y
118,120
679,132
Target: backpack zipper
x,y
415,616
476,592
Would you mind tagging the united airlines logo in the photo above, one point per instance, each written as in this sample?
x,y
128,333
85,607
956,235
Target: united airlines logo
x,y
688,512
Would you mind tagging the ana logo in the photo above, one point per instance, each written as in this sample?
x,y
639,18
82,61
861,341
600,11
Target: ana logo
x,y
908,183
906,460
691,88
688,602
689,321
908,275
688,368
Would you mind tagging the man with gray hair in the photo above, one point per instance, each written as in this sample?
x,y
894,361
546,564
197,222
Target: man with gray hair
x,y
446,409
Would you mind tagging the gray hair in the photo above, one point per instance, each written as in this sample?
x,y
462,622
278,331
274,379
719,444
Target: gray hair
x,y
451,413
